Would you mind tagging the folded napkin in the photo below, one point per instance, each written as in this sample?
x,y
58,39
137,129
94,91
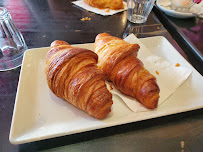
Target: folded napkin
x,y
169,76
103,12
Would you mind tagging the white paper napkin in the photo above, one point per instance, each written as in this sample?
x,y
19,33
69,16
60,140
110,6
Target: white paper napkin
x,y
170,77
103,12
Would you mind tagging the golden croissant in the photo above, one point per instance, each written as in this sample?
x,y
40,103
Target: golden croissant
x,y
112,4
119,63
72,74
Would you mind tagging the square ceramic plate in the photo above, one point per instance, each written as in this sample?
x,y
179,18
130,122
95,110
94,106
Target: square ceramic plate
x,y
39,114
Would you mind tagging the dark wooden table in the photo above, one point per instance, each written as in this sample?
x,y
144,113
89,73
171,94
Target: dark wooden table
x,y
42,22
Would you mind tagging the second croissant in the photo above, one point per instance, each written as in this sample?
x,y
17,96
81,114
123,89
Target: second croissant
x,y
118,61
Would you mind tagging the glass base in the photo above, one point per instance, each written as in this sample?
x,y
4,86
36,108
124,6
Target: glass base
x,y
12,44
137,19
9,64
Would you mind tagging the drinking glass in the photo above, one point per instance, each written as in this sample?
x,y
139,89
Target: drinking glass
x,y
12,44
138,10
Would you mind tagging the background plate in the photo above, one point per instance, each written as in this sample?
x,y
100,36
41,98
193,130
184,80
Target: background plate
x,y
39,114
173,13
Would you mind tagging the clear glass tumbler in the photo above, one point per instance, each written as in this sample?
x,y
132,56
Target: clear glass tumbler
x,y
12,44
138,10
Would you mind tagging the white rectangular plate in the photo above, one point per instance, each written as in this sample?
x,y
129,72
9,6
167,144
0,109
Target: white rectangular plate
x,y
39,114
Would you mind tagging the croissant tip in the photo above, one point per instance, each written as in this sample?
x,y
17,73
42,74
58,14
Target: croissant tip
x,y
153,104
103,34
58,42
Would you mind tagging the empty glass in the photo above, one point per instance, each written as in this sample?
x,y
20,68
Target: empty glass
x,y
12,44
138,10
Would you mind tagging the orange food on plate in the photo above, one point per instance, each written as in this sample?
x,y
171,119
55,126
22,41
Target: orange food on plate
x,y
177,64
102,4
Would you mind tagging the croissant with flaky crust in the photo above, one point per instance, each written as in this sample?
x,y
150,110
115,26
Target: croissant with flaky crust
x,y
72,74
112,4
118,61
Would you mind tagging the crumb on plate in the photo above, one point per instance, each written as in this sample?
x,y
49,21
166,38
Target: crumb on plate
x,y
108,10
177,64
157,72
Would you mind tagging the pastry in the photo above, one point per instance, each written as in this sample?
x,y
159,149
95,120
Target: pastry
x,y
119,63
72,74
102,4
